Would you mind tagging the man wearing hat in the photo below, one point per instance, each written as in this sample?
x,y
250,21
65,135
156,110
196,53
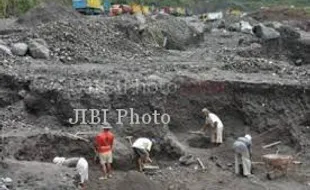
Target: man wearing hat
x,y
243,154
216,125
104,147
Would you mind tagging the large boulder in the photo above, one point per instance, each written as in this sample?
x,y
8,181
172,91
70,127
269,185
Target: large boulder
x,y
19,49
38,49
173,147
195,23
4,50
246,27
141,20
137,181
173,33
266,33
122,156
288,32
274,24
234,27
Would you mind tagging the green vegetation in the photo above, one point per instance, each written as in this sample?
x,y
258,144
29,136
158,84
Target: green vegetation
x,y
18,7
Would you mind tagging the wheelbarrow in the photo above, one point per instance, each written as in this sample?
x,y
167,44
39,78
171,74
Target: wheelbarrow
x,y
277,165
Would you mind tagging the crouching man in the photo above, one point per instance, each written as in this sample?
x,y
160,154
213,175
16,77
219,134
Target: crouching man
x,y
142,148
79,163
243,155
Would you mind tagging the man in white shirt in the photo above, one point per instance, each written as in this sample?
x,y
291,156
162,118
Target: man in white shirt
x,y
217,126
243,155
142,148
79,163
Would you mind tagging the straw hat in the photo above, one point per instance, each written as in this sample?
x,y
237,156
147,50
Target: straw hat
x,y
205,110
106,126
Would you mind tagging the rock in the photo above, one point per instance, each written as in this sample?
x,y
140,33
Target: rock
x,y
215,16
141,20
196,24
7,180
288,32
246,27
173,147
187,160
178,33
6,183
235,27
19,49
137,181
2,42
298,62
122,156
5,50
162,16
3,187
266,33
220,24
38,49
275,25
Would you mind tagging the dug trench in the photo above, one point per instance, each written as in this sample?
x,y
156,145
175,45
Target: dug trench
x,y
269,111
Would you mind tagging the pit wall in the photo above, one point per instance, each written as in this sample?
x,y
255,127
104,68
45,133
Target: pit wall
x,y
242,107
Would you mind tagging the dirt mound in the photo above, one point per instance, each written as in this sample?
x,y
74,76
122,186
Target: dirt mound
x,y
252,66
88,40
46,12
36,175
179,34
137,181
280,14
153,31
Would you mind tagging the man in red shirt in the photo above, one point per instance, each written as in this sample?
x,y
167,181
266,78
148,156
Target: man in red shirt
x,y
104,145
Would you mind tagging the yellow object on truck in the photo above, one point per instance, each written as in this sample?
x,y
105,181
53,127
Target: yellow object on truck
x,y
146,10
235,12
136,8
94,4
180,11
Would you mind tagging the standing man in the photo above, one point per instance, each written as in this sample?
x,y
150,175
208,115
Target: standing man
x,y
142,148
79,163
243,155
216,125
104,146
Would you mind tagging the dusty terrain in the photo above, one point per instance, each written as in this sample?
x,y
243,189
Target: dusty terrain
x,y
255,86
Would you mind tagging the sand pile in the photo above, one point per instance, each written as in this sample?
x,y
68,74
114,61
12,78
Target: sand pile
x,y
47,12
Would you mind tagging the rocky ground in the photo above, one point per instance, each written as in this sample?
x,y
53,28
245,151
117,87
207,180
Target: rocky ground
x,y
257,83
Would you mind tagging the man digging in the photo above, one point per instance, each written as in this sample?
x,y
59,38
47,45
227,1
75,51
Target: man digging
x,y
243,155
215,124
142,148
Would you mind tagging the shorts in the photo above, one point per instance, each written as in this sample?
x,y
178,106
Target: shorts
x,y
141,153
106,158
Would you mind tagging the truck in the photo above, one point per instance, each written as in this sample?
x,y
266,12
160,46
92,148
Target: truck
x,y
88,7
